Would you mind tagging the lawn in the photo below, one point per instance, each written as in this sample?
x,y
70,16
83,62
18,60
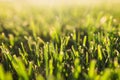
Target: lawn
x,y
65,42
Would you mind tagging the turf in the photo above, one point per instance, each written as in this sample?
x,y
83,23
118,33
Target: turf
x,y
60,43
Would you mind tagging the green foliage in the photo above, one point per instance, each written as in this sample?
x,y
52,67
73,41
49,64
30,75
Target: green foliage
x,y
61,43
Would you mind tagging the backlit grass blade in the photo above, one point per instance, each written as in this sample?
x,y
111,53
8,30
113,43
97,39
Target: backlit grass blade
x,y
46,49
24,54
99,52
106,75
92,69
2,74
33,28
84,41
20,68
77,68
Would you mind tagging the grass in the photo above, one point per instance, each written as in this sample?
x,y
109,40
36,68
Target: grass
x,y
62,43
